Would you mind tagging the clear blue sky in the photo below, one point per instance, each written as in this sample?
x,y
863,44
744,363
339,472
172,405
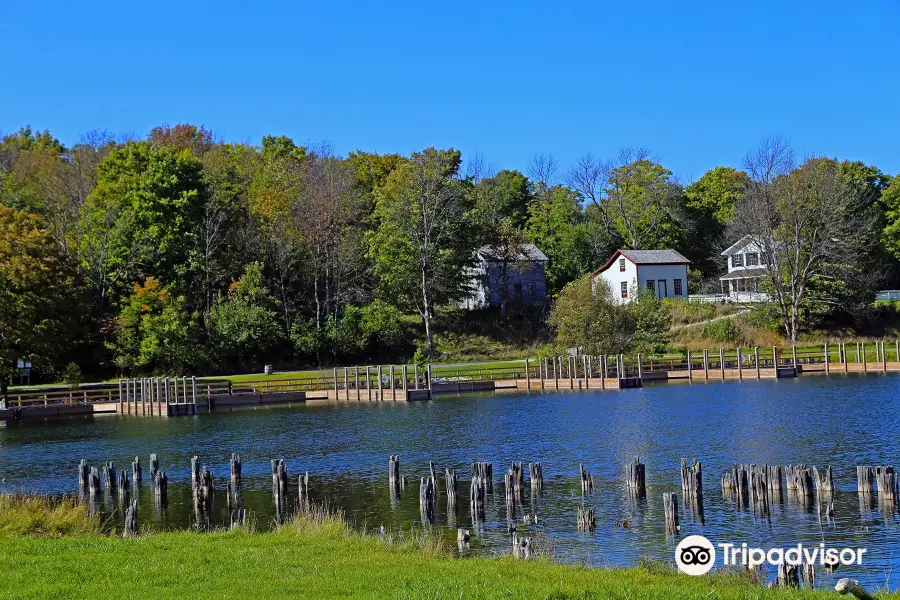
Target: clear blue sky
x,y
697,82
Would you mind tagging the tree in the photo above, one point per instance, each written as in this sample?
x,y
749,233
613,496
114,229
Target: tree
x,y
586,316
890,199
421,248
154,332
636,199
35,282
709,204
245,325
651,332
803,221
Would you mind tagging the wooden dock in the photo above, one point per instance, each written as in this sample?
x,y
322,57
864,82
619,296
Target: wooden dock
x,y
187,396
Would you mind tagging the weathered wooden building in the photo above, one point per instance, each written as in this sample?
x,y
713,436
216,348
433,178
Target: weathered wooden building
x,y
516,275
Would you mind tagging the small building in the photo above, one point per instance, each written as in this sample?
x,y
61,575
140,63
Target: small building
x,y
499,276
663,272
746,266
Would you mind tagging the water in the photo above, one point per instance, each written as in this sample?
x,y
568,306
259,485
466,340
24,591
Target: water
x,y
839,420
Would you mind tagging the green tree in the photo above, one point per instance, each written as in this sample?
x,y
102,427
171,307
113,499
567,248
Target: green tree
x,y
245,326
36,284
422,247
709,203
651,333
141,219
586,316
154,332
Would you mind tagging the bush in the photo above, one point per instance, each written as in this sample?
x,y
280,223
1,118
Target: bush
x,y
72,376
723,330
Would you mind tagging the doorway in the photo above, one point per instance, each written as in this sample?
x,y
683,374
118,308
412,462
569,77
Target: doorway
x,y
661,291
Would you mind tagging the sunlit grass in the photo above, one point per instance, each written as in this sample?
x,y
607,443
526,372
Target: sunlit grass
x,y
43,516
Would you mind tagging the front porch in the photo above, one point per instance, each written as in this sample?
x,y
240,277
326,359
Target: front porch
x,y
742,287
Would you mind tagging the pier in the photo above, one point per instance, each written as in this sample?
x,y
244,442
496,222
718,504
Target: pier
x,y
186,396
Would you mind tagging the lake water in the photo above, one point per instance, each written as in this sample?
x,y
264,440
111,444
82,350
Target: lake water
x,y
839,420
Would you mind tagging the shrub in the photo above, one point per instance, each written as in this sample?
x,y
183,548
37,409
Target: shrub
x,y
72,376
723,330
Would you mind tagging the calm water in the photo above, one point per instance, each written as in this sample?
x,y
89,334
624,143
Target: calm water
x,y
840,421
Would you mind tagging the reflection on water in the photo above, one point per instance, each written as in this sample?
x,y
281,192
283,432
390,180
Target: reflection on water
x,y
817,421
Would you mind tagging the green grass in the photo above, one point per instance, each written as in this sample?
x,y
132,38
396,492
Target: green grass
x,y
316,555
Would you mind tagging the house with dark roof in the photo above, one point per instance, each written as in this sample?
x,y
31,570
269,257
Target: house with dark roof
x,y
504,275
746,266
663,272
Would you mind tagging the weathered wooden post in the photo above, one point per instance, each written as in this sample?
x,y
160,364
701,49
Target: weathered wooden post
x,y
536,475
356,383
121,404
794,359
95,488
585,519
109,476
393,383
588,372
369,383
346,384
194,389
640,372
756,360
477,498
154,465
740,364
827,362
394,470
851,586
335,384
865,480
123,485
161,489
127,396
788,575
84,474
864,358
485,471
670,508
195,469
846,360
405,375
303,485
570,364
897,350
824,481
451,483
527,377
691,481
136,474
379,393
584,370
690,370
521,547
587,480
236,468
428,375
635,478
722,362
705,364
886,483
131,519
883,359
175,397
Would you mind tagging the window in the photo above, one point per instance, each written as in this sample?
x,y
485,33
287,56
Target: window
x,y
651,286
624,289
622,265
678,287
531,290
752,259
737,260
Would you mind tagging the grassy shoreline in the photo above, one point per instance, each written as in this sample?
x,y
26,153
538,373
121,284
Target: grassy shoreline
x,y
317,555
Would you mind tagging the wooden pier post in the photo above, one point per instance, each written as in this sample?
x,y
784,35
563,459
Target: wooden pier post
x,y
527,377
194,389
740,365
705,364
846,366
346,384
690,370
756,360
897,350
335,384
857,352
555,374
379,390
883,359
722,362
369,382
670,508
121,405
864,362
356,382
428,375
184,389
827,362
635,478
405,375
775,359
794,359
602,371
589,371
865,480
393,383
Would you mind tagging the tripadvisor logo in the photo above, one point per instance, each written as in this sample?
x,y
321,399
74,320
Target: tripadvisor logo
x,y
696,555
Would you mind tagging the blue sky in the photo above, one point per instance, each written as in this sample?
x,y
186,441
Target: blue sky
x,y
697,82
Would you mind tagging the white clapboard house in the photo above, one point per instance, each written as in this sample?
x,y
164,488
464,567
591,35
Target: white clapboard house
x,y
746,267
663,272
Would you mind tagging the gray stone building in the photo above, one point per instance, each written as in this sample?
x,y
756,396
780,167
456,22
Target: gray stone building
x,y
516,276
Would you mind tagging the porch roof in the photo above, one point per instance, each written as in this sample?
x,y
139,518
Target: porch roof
x,y
744,274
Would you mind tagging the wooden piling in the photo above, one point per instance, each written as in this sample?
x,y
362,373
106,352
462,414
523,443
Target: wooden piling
x,y
824,481
521,547
84,473
587,480
195,469
204,493
635,478
827,362
886,483
303,489
788,575
109,476
236,467
691,481
484,470
123,485
536,475
722,362
131,519
240,517
161,489
705,364
356,383
450,481
477,498
756,360
426,500
95,488
154,465
369,383
393,383
670,508
865,480
394,470
585,519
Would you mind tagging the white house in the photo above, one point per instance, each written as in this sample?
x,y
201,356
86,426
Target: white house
x,y
664,272
746,265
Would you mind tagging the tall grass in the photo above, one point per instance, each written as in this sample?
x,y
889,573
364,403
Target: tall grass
x,y
43,516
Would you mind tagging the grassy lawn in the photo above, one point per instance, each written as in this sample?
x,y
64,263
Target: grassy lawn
x,y
320,565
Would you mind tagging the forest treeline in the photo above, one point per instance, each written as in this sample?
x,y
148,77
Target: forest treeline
x,y
181,253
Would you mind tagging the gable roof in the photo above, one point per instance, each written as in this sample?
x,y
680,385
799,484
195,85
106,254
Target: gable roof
x,y
737,245
647,257
525,252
